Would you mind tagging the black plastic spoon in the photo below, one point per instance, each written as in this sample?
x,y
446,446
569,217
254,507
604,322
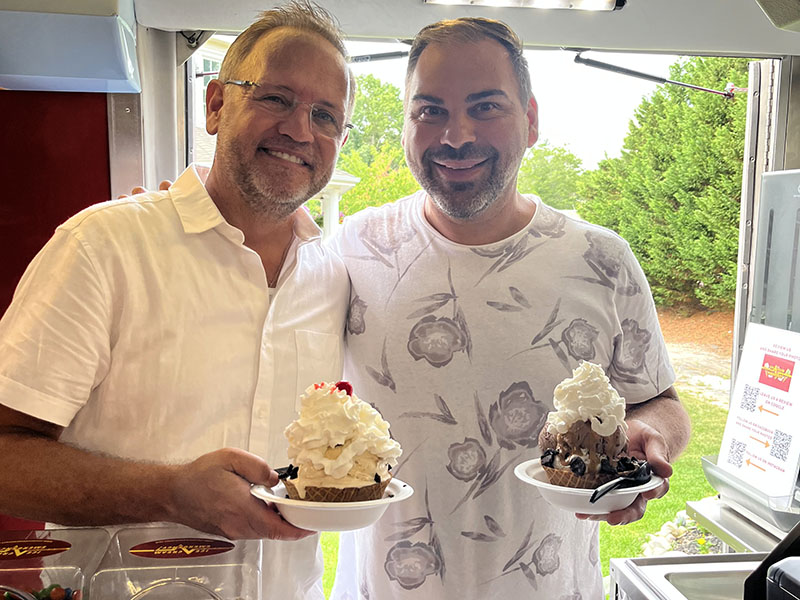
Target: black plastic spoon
x,y
637,477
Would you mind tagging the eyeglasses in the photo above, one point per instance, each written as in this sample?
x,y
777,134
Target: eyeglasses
x,y
282,103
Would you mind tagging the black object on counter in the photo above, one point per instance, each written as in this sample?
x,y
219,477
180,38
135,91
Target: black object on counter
x,y
783,579
755,586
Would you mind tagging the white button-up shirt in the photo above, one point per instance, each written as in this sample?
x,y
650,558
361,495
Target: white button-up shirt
x,y
145,327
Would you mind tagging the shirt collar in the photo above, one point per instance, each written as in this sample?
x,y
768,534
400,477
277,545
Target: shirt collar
x,y
198,212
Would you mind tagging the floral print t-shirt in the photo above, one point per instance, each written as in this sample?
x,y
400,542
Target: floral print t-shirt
x,y
460,348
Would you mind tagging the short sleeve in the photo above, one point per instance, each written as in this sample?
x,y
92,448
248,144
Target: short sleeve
x,y
640,367
55,336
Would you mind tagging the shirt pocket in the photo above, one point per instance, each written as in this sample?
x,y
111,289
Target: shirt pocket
x,y
319,358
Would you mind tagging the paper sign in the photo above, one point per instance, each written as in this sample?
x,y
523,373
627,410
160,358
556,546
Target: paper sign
x,y
761,443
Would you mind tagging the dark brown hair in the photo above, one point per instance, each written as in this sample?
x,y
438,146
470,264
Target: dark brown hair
x,y
474,29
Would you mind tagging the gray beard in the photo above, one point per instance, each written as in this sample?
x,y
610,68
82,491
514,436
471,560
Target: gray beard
x,y
264,198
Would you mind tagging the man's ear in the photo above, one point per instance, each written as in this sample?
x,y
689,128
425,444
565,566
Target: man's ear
x,y
213,105
533,121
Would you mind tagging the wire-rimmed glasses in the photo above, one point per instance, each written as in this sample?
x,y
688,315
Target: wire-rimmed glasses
x,y
281,103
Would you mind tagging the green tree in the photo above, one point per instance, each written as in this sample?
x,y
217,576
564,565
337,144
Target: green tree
x,y
551,172
674,194
377,118
373,151
384,179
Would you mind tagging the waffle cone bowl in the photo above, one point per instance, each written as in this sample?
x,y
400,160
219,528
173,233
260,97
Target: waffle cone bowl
x,y
566,478
330,494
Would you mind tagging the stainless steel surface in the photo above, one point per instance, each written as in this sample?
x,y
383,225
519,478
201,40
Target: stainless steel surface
x,y
126,163
733,528
792,143
761,138
768,512
705,577
717,585
673,26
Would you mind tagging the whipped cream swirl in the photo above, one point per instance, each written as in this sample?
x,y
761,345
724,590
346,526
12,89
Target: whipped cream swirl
x,y
587,396
334,429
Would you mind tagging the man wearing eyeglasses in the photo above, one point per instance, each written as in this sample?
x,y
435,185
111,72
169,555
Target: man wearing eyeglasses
x,y
155,348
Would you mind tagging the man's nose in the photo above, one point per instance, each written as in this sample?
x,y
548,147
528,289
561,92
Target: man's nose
x,y
297,124
459,130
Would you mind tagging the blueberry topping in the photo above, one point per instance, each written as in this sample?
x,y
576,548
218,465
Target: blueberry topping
x,y
289,472
606,467
549,457
577,466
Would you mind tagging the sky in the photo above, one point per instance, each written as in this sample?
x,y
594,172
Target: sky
x,y
583,109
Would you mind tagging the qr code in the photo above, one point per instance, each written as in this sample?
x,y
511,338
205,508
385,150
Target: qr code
x,y
780,445
749,398
736,454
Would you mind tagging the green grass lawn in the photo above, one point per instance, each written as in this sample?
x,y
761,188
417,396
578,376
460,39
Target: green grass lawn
x,y
330,550
686,483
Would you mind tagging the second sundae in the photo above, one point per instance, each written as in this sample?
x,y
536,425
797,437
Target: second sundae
x,y
584,441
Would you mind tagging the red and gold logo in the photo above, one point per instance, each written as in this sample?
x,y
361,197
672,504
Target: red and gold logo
x,y
21,549
776,372
181,548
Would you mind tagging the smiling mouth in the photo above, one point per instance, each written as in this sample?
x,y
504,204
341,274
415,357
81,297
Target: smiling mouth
x,y
285,156
460,165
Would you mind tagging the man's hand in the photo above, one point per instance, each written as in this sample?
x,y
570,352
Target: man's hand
x,y
647,443
212,494
164,185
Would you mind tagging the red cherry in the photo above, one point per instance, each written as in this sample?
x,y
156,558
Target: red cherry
x,y
57,593
345,386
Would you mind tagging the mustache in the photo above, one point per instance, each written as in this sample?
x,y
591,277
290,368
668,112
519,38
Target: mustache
x,y
465,152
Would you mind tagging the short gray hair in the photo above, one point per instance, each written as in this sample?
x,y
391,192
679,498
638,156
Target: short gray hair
x,y
302,15
474,29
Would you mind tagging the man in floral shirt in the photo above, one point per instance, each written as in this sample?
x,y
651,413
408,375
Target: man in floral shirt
x,y
469,303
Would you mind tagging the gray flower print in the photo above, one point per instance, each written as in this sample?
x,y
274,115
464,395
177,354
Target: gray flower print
x,y
605,258
436,340
443,416
506,254
548,222
495,531
630,352
410,564
355,318
384,376
466,460
517,417
386,236
604,253
579,338
546,557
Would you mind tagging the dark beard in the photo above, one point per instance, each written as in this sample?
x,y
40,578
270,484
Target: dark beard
x,y
462,200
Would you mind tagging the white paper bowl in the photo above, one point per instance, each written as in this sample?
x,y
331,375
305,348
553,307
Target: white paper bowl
x,y
332,516
576,500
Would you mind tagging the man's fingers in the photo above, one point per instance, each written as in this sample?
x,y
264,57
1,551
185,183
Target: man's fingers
x,y
250,467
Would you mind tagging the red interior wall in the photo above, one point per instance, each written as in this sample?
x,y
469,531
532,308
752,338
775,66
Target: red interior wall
x,y
54,149
53,163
